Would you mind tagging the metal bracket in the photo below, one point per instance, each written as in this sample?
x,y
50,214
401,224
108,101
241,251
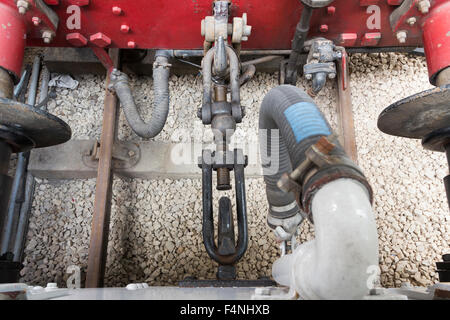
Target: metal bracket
x,y
124,155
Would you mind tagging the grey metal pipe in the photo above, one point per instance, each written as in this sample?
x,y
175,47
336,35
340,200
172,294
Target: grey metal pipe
x,y
200,53
20,86
260,60
32,93
120,83
22,164
43,94
22,224
30,183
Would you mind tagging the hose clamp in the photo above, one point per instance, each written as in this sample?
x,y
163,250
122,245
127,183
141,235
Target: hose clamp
x,y
324,163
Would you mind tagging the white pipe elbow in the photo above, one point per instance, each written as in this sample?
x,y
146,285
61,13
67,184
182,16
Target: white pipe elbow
x,y
335,264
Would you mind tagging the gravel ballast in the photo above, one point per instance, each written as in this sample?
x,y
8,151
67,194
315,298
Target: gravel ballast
x,y
155,231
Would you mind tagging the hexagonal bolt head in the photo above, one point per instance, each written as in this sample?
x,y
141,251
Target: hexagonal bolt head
x,y
23,6
36,21
424,6
402,36
47,36
331,75
117,11
308,76
124,28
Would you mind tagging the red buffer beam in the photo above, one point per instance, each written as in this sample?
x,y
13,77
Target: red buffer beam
x,y
175,24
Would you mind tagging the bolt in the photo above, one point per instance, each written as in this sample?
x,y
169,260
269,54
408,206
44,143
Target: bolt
x,y
331,10
401,36
124,28
411,21
36,21
324,28
23,6
117,11
47,36
131,153
308,76
285,183
424,6
331,75
131,44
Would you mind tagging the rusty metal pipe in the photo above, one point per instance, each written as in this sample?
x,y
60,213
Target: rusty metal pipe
x,y
103,192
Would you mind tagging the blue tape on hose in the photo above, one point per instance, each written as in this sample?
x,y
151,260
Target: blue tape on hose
x,y
306,121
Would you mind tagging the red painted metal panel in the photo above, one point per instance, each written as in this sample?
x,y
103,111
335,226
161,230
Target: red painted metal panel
x,y
175,24
12,39
436,34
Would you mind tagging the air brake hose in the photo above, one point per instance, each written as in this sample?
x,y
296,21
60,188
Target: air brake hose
x,y
120,83
300,125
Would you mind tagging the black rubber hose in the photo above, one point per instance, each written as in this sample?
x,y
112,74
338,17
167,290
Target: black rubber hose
x,y
300,124
120,83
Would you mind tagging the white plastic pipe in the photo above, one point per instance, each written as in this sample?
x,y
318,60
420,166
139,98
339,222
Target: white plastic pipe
x,y
339,262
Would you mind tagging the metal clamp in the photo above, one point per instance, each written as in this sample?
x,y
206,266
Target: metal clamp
x,y
323,164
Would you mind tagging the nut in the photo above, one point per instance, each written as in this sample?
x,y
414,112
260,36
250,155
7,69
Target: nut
x,y
402,36
23,6
36,21
424,6
47,36
411,21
